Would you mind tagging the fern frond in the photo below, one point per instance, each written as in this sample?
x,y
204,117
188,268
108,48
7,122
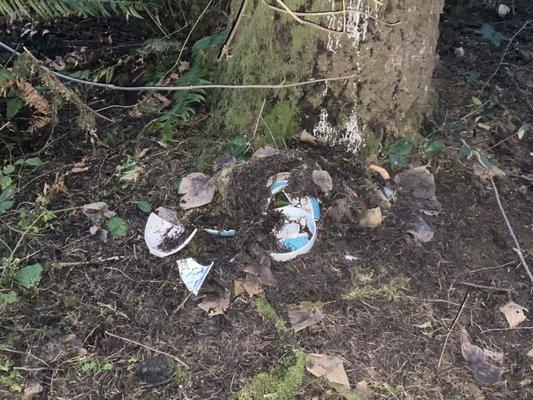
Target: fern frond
x,y
49,9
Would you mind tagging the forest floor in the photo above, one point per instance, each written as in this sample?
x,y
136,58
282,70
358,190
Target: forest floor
x,y
111,321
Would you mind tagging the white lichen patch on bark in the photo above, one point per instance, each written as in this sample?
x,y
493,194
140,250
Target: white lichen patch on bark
x,y
356,22
351,136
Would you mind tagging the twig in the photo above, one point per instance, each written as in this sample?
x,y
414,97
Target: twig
x,y
182,303
225,49
503,55
344,16
305,22
89,262
259,117
177,359
451,328
486,287
188,87
518,249
516,328
186,41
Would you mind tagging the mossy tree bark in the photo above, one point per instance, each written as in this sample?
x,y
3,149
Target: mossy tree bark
x,y
389,46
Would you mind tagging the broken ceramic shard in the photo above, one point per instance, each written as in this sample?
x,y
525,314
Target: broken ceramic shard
x,y
162,236
307,203
298,235
221,233
193,274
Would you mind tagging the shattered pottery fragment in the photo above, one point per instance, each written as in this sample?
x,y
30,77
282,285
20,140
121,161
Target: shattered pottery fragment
x,y
329,367
514,313
421,230
417,181
371,218
484,364
428,206
301,319
163,237
197,190
193,274
298,235
215,303
323,180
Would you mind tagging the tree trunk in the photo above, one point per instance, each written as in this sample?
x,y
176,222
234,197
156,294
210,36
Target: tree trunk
x,y
388,45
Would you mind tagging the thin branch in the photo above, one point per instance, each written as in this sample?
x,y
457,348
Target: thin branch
x,y
225,49
503,55
518,249
305,22
451,328
177,359
184,88
259,117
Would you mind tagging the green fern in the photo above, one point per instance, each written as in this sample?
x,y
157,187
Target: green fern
x,y
49,9
158,46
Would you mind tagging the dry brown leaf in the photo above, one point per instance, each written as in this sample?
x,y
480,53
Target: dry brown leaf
x,y
252,285
264,152
58,187
484,364
371,218
301,319
197,190
215,303
306,137
80,166
514,313
323,180
238,287
417,181
329,367
380,170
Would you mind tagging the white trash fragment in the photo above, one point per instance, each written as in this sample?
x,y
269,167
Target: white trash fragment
x,y
459,52
503,10
421,230
197,190
221,233
298,241
193,274
349,257
159,232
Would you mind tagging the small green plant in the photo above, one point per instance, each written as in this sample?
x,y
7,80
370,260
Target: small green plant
x,y
144,206
117,227
10,378
389,290
398,152
280,383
